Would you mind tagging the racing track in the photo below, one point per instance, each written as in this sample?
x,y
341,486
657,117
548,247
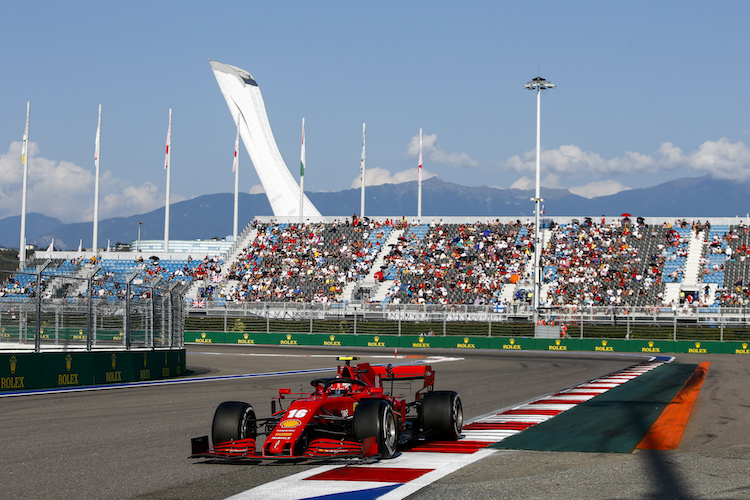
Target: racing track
x,y
134,442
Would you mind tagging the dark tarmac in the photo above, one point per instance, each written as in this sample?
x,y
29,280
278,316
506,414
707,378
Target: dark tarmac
x,y
135,442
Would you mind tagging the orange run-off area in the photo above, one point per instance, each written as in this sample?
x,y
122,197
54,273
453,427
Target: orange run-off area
x,y
666,432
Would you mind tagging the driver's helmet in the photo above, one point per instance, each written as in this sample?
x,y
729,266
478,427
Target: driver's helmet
x,y
339,389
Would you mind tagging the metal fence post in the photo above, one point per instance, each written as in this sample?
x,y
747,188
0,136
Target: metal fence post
x,y
627,327
38,332
128,311
90,294
57,323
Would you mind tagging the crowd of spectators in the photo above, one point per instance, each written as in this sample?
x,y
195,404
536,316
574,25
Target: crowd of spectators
x,y
600,263
615,263
458,264
303,262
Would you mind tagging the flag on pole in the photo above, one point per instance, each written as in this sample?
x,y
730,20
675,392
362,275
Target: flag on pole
x,y
169,142
302,155
98,138
25,149
420,155
362,161
236,149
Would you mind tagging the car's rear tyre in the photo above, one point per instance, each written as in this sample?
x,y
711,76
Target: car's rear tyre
x,y
442,415
374,417
233,420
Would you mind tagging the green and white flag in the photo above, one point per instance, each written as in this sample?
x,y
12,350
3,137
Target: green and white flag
x,y
302,156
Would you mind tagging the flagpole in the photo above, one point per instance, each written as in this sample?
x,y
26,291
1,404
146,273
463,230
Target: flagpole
x,y
25,161
419,186
362,173
97,150
302,175
168,167
236,170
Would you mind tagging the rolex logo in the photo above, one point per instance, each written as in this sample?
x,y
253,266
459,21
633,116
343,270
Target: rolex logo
x,y
13,362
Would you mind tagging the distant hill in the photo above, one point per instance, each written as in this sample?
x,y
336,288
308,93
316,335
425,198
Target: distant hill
x,y
211,215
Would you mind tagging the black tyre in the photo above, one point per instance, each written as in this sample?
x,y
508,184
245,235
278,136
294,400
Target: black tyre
x,y
442,415
374,417
233,420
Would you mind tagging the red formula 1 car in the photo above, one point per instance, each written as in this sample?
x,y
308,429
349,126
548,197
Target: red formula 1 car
x,y
353,415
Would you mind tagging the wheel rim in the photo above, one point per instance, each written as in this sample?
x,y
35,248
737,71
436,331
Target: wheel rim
x,y
389,430
457,416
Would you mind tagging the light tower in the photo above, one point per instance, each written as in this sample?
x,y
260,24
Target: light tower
x,y
538,84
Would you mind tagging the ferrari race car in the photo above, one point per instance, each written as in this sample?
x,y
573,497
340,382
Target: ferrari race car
x,y
352,415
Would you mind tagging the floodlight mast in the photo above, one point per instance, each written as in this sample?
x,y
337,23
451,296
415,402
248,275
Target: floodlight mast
x,y
538,84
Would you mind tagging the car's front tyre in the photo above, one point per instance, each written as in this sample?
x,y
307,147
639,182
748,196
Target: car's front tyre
x,y
233,420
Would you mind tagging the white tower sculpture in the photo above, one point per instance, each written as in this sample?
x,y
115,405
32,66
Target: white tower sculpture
x,y
246,105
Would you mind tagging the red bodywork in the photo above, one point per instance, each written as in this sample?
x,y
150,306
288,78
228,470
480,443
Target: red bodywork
x,y
319,425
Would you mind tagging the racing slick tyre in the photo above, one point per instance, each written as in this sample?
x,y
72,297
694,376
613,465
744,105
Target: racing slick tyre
x,y
442,414
374,417
233,420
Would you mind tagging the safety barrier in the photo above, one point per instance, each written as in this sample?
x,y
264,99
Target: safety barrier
x,y
20,371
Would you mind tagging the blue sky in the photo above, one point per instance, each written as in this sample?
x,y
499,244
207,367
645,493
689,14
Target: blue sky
x,y
646,92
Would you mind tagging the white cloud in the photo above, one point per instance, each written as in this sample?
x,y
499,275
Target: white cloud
x,y
377,176
598,188
721,159
65,190
431,152
257,189
523,183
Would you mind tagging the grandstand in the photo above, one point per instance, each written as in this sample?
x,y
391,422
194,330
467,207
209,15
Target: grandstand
x,y
614,262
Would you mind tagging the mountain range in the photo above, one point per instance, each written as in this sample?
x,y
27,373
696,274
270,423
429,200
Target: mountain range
x,y
210,216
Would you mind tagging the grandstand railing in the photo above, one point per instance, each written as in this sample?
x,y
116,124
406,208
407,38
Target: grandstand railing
x,y
39,310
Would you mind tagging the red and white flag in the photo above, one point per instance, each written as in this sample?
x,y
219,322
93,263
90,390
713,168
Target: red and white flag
x,y
236,149
169,141
420,156
98,138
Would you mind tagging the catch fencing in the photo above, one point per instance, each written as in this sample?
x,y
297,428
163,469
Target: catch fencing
x,y
516,320
41,309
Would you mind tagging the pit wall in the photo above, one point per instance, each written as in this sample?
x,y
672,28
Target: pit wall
x,y
23,371
458,342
